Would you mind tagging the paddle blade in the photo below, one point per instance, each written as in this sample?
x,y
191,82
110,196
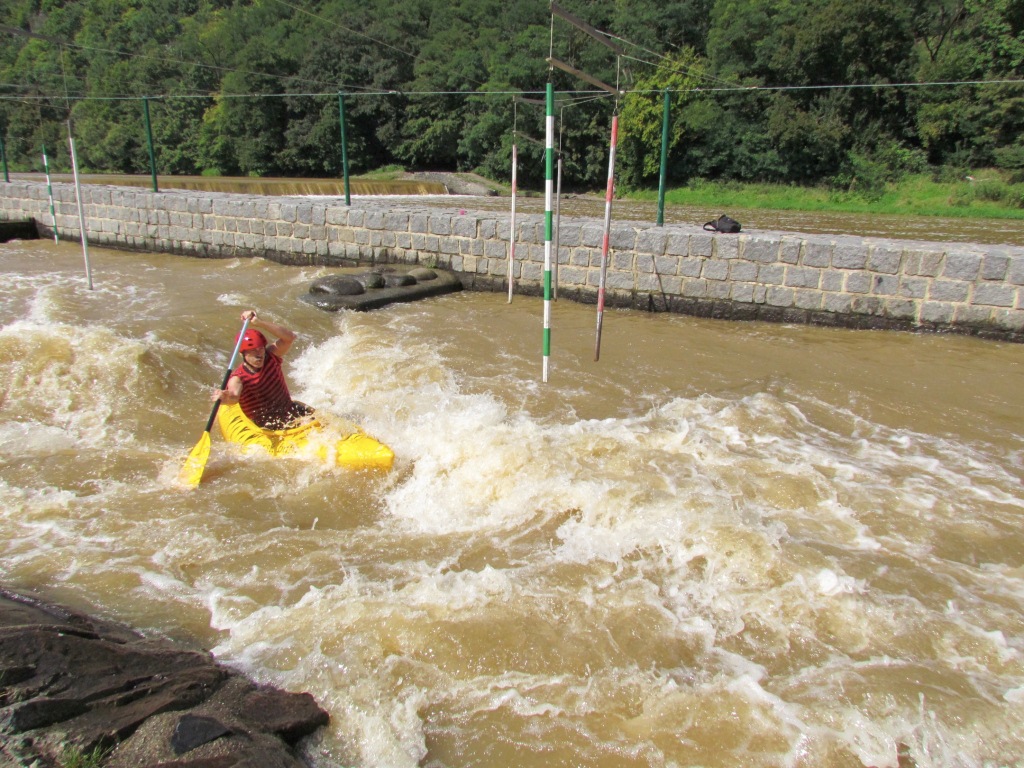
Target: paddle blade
x,y
192,470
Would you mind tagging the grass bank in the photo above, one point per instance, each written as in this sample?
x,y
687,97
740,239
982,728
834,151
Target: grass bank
x,y
983,194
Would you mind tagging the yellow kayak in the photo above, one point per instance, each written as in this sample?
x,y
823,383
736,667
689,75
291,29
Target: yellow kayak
x,y
355,451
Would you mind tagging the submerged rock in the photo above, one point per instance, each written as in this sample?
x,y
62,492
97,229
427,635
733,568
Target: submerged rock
x,y
68,680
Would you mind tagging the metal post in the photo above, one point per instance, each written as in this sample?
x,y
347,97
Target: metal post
x,y
149,139
512,229
49,191
607,232
558,227
664,162
3,157
344,147
549,172
81,212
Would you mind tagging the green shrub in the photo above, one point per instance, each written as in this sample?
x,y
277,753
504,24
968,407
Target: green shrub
x,y
73,757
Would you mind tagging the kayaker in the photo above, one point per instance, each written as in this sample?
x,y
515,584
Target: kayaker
x,y
258,384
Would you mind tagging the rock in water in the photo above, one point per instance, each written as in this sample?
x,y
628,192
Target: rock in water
x,y
70,680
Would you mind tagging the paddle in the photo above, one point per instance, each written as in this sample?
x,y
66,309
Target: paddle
x,y
192,471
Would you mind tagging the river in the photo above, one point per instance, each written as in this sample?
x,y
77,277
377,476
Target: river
x,y
725,544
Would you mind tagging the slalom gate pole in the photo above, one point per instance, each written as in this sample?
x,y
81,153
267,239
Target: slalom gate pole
x,y
3,159
662,173
49,191
149,143
512,229
344,147
558,227
549,167
607,231
81,212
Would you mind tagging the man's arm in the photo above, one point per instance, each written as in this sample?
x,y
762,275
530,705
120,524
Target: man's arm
x,y
231,394
285,337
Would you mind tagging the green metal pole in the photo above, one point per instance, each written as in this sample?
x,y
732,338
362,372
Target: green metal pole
x,y
149,139
3,156
344,147
664,163
549,172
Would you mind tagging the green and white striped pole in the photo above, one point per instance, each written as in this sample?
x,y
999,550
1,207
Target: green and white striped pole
x,y
549,172
49,191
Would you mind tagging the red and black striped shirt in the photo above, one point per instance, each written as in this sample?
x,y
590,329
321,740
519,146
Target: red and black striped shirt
x,y
265,398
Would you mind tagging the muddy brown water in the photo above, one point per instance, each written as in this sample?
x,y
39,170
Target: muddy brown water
x,y
725,544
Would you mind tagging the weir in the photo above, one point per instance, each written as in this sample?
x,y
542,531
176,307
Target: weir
x,y
786,277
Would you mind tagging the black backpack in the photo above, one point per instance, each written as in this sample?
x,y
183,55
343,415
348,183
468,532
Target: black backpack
x,y
724,224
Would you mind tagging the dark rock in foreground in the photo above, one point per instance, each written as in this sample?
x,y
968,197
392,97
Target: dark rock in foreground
x,y
69,681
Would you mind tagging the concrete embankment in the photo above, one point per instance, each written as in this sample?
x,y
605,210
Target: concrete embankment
x,y
774,276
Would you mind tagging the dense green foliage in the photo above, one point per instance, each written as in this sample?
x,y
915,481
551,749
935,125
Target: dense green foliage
x,y
844,93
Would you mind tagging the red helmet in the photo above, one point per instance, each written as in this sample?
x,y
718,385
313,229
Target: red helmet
x,y
253,339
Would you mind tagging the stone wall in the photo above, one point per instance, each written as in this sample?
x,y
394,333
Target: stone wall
x,y
775,276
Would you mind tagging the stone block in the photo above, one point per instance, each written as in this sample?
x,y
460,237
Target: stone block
x,y
802,277
858,282
962,266
840,303
440,225
808,299
719,290
644,262
622,260
994,266
715,269
494,249
695,288
619,280
651,242
1009,320
936,312
885,285
771,274
568,234
487,229
464,226
884,259
974,316
780,297
832,281
725,247
995,295
846,256
592,235
1015,270
913,287
742,271
789,251
900,309
690,267
949,290
760,249
701,244
572,276
742,292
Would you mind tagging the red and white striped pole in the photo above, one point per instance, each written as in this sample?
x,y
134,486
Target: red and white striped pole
x,y
607,231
